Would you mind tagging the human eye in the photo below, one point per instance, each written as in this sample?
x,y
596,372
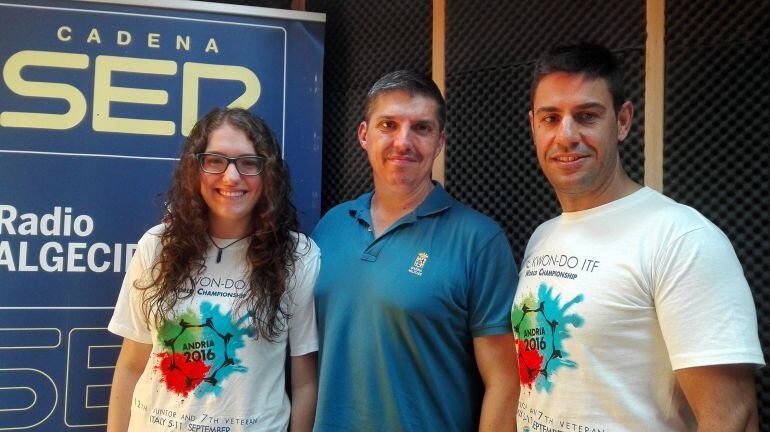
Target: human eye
x,y
214,162
423,127
250,164
387,125
548,118
587,116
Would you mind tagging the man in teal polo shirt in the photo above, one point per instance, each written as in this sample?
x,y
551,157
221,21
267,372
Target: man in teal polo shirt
x,y
414,295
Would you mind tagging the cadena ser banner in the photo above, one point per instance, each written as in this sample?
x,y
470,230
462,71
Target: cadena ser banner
x,y
95,102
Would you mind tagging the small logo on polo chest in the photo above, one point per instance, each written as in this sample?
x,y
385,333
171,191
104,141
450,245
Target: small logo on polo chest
x,y
419,263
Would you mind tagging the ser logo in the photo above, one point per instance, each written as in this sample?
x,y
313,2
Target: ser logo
x,y
418,264
190,76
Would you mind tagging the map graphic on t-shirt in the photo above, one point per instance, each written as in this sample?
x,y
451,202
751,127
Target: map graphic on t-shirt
x,y
200,350
541,325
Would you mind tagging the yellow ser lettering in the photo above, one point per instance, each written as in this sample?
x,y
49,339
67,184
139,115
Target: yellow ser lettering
x,y
194,72
105,93
17,84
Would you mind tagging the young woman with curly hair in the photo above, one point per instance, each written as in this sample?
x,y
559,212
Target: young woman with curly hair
x,y
215,293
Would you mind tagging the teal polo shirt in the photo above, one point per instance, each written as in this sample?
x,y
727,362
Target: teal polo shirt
x,y
397,315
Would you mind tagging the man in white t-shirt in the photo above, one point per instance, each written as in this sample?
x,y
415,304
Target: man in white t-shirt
x,y
632,311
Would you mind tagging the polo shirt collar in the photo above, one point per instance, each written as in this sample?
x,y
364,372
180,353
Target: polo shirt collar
x,y
359,207
437,201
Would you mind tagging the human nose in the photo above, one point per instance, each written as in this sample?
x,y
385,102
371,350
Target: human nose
x,y
231,172
568,131
403,139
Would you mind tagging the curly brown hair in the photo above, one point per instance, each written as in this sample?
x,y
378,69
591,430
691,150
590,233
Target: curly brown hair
x,y
273,243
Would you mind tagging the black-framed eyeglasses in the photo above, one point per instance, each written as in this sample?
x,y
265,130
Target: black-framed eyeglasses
x,y
217,164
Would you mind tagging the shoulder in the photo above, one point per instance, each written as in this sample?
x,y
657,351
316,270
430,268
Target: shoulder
x,y
155,231
334,220
546,226
338,211
151,238
471,221
443,217
541,233
669,231
307,263
149,245
677,219
307,249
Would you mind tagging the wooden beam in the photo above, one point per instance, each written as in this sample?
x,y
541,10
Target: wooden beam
x,y
439,73
654,93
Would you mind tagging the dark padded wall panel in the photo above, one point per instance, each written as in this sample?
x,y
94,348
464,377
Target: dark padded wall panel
x,y
717,153
364,40
491,49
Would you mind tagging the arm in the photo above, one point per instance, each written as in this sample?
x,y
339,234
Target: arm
x,y
698,276
131,362
304,388
496,359
721,397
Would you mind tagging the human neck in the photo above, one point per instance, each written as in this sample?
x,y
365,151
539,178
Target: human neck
x,y
228,229
221,248
390,205
614,190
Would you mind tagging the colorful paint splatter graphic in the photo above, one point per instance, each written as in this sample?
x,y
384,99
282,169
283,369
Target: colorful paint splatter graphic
x,y
540,324
199,350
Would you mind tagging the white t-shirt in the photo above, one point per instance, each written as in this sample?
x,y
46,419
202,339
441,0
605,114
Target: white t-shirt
x,y
611,301
207,372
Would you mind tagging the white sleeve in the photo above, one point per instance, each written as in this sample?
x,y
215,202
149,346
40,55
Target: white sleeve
x,y
128,319
303,335
704,304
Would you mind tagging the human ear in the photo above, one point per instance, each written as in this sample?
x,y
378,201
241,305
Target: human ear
x,y
362,134
625,117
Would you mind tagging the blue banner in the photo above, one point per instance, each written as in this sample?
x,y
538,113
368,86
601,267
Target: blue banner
x,y
95,102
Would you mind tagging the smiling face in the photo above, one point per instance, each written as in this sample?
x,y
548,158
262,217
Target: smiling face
x,y
576,134
230,196
401,139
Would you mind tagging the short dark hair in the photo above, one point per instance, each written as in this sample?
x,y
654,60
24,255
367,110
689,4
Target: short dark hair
x,y
411,82
592,60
